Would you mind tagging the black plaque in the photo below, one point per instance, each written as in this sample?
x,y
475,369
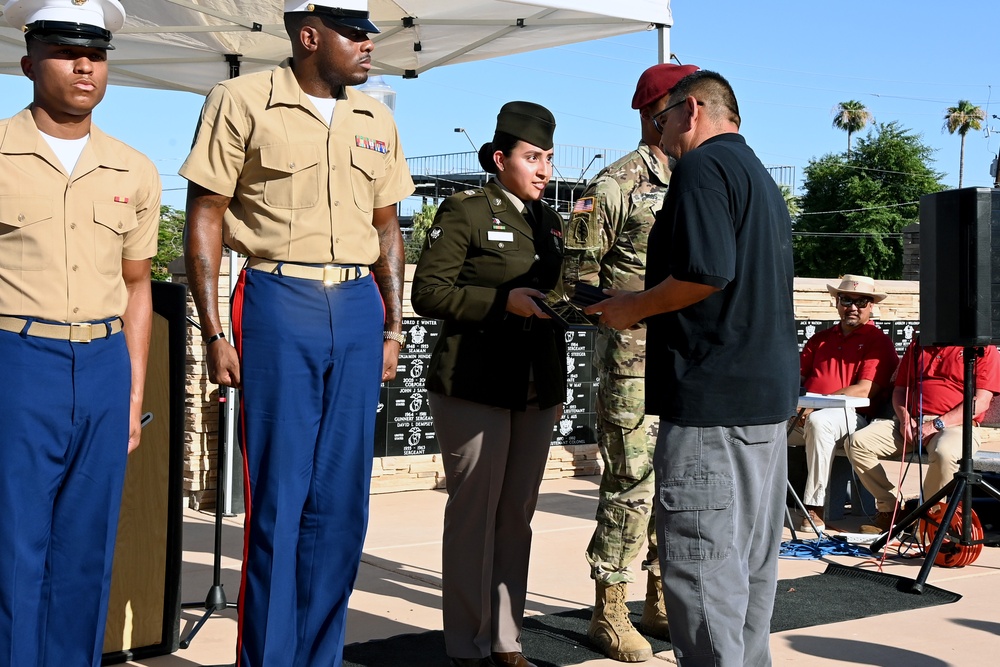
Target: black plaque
x,y
805,329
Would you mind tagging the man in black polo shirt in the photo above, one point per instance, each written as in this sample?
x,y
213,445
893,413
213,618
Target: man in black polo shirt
x,y
722,374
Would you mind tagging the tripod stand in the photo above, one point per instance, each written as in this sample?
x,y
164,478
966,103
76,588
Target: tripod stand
x,y
958,490
216,598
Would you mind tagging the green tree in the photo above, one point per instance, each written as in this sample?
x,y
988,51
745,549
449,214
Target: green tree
x,y
854,210
422,221
961,118
171,241
791,201
851,116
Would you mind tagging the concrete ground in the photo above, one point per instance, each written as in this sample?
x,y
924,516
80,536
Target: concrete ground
x,y
399,587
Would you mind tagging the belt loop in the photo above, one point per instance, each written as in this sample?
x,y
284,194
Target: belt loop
x,y
357,271
28,321
107,329
277,269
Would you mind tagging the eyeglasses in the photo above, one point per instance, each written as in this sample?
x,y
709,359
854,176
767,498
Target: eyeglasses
x,y
860,302
656,117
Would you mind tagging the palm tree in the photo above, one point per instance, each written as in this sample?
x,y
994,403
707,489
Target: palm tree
x,y
962,118
852,116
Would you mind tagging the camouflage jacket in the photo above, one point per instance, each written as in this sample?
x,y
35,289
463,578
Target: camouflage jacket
x,y
605,245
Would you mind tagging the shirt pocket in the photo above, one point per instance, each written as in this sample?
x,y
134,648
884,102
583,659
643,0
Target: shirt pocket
x,y
367,166
26,232
113,221
496,256
293,181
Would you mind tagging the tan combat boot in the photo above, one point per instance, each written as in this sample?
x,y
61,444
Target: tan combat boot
x,y
612,631
654,613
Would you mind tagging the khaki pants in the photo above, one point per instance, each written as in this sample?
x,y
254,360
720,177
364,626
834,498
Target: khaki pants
x,y
883,439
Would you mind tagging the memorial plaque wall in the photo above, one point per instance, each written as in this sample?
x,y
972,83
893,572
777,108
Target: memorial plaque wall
x,y
805,329
404,426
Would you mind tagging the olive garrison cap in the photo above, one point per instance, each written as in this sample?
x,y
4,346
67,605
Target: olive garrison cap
x,y
657,81
528,122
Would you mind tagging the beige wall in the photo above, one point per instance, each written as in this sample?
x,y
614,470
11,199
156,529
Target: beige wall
x,y
812,301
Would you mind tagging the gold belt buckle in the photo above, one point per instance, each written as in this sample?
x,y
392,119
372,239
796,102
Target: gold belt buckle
x,y
81,332
329,273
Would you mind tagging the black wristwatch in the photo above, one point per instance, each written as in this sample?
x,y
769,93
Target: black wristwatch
x,y
938,423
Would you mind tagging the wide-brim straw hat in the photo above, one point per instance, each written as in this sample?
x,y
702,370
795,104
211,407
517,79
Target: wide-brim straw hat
x,y
856,285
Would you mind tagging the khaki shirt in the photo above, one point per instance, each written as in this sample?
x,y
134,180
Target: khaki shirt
x,y
606,246
301,191
62,237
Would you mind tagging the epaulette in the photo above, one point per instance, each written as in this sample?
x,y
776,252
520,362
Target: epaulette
x,y
472,192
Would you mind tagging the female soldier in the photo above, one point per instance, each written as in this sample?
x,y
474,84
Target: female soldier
x,y
496,380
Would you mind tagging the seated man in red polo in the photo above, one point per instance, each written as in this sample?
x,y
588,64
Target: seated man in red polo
x,y
853,358
927,400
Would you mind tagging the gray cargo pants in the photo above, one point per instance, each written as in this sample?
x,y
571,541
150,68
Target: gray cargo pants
x,y
721,493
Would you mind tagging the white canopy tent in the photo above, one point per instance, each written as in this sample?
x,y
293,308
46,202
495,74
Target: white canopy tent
x,y
192,44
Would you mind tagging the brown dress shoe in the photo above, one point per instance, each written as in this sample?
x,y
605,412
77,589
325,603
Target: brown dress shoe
x,y
511,660
471,662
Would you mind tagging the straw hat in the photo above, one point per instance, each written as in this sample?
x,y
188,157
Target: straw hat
x,y
856,285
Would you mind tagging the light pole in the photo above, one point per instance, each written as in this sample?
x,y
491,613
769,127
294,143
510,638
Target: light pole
x,y
572,191
474,149
473,143
996,169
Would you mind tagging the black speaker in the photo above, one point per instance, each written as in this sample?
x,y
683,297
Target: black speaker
x,y
960,267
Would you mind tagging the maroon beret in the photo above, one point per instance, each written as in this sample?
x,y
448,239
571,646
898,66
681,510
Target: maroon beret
x,y
657,81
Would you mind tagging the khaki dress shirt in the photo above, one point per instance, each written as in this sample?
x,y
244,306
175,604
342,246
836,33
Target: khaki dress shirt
x,y
302,191
63,236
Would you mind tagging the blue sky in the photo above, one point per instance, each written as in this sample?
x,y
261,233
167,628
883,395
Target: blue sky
x,y
790,63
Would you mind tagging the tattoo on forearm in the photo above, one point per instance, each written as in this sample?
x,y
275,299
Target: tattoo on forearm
x,y
389,271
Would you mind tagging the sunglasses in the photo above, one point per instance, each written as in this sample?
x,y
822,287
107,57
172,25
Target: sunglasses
x,y
657,123
860,302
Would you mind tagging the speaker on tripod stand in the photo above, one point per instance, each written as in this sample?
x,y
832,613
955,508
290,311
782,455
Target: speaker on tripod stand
x,y
959,306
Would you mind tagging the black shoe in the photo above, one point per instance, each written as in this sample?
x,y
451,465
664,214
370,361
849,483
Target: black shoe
x,y
471,662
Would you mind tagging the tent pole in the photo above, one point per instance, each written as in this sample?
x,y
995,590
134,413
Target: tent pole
x,y
663,42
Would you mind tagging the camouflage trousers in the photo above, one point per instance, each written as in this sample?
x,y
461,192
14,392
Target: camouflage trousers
x,y
625,522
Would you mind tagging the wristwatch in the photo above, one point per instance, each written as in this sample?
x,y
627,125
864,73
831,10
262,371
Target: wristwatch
x,y
398,337
938,423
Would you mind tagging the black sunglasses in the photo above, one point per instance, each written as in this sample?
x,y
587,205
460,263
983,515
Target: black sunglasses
x,y
860,302
658,115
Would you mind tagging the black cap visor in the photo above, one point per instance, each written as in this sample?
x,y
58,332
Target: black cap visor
x,y
352,18
70,34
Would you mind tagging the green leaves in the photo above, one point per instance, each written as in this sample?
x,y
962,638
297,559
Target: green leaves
x,y
854,209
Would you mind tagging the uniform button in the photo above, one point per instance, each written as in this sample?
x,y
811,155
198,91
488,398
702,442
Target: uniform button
x,y
537,258
333,168
75,267
20,217
500,245
76,310
72,225
336,203
291,165
120,225
534,281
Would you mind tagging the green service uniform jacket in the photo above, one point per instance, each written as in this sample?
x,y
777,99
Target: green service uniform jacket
x,y
479,249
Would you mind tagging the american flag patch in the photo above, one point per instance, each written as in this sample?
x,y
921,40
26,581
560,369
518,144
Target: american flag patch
x,y
584,205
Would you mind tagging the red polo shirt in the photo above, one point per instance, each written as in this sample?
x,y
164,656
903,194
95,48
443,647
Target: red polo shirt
x,y
940,371
831,361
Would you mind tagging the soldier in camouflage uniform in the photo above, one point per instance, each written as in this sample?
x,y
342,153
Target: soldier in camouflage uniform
x,y
606,247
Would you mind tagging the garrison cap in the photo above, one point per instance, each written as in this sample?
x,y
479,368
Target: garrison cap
x,y
657,81
349,13
528,122
88,23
